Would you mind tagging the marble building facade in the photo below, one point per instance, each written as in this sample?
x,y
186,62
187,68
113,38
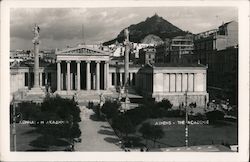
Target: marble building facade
x,y
88,70
172,81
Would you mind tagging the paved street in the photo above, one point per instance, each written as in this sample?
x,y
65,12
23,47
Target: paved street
x,y
96,135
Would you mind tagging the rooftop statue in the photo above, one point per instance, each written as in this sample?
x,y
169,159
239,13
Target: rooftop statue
x,y
36,31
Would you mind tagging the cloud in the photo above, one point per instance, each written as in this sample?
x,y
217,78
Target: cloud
x,y
63,26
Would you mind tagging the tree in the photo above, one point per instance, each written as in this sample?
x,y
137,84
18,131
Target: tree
x,y
145,130
149,131
156,133
165,103
215,116
123,124
56,118
111,109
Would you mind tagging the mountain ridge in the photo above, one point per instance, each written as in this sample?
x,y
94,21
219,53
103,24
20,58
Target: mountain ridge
x,y
155,25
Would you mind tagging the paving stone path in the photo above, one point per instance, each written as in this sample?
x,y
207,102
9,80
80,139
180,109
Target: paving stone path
x,y
96,135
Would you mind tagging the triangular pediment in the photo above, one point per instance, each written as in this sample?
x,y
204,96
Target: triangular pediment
x,y
82,50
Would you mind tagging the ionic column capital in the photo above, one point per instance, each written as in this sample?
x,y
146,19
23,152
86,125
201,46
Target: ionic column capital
x,y
88,61
78,61
58,61
68,61
98,61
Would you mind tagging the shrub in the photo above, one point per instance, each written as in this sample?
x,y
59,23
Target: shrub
x,y
138,115
55,109
165,103
149,131
28,110
174,113
215,116
123,124
198,116
110,109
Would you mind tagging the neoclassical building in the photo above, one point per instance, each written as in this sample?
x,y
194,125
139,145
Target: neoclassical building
x,y
91,71
172,81
82,68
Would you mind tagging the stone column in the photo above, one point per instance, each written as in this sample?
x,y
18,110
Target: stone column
x,y
29,80
88,79
131,79
175,82
121,79
115,79
62,81
106,74
204,82
78,75
169,90
71,81
46,78
181,82
194,77
41,79
36,64
68,75
98,75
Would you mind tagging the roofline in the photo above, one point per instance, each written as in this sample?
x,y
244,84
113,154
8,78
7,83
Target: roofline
x,y
81,46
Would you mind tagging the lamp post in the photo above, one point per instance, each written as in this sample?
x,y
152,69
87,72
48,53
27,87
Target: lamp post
x,y
186,120
14,124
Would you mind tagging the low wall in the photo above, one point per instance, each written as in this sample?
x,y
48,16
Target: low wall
x,y
178,98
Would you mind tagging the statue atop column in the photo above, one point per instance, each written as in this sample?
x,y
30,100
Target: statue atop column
x,y
126,68
36,88
36,31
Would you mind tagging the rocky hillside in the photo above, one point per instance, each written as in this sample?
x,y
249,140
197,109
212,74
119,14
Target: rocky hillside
x,y
155,25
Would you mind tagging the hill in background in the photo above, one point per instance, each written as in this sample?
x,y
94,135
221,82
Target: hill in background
x,y
155,25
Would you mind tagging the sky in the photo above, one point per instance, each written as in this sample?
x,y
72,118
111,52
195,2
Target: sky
x,y
62,27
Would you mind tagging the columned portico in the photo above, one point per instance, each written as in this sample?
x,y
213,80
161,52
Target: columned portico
x,y
82,69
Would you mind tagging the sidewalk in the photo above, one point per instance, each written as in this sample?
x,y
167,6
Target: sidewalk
x,y
96,135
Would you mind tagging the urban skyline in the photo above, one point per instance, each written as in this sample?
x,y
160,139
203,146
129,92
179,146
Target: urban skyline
x,y
68,27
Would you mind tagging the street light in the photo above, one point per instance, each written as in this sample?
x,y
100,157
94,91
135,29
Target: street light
x,y
14,123
186,120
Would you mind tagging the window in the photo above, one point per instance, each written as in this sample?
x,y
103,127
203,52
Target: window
x,y
49,79
32,79
113,78
133,79
43,79
26,79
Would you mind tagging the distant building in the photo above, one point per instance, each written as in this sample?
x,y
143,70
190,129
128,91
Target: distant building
x,y
163,52
218,49
181,49
214,40
176,50
147,55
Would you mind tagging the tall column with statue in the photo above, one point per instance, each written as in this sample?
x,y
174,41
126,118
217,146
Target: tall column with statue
x,y
36,89
36,43
126,68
